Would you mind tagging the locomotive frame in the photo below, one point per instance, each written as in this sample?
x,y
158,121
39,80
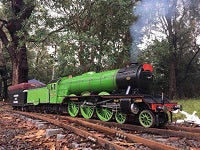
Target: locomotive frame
x,y
120,93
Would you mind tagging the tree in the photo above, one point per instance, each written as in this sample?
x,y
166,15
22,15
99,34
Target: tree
x,y
181,38
159,57
96,33
178,22
13,35
40,63
97,37
3,73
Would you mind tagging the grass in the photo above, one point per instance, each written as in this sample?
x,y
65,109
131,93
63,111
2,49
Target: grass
x,y
189,105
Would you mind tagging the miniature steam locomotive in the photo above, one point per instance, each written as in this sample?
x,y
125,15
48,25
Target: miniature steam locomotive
x,y
119,94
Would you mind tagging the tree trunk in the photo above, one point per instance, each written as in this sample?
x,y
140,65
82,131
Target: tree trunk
x,y
83,63
172,80
15,43
172,39
3,73
5,87
20,67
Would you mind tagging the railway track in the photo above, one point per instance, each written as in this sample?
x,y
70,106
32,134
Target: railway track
x,y
108,143
168,131
184,138
181,128
65,124
127,131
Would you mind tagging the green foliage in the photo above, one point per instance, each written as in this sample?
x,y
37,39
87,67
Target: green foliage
x,y
188,82
176,58
95,36
40,63
88,36
157,54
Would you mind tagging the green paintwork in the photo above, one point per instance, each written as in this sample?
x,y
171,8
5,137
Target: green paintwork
x,y
73,109
90,81
120,118
104,93
53,92
87,111
103,83
39,95
104,114
146,118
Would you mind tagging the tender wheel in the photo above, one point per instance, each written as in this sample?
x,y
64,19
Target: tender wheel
x,y
147,118
73,109
120,117
104,114
87,111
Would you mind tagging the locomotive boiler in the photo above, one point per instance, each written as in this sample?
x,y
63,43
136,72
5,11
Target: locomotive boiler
x,y
116,94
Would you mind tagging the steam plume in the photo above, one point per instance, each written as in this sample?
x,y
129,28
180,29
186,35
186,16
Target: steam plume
x,y
147,11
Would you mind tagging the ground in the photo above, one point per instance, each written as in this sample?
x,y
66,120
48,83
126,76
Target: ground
x,y
16,133
20,132
189,105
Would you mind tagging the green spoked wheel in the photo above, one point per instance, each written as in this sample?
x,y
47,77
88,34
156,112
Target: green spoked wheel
x,y
147,118
73,109
120,117
104,114
87,111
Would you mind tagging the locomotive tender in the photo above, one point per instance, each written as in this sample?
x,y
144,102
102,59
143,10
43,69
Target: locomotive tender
x,y
118,94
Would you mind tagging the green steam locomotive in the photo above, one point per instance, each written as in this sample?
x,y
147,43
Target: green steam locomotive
x,y
119,94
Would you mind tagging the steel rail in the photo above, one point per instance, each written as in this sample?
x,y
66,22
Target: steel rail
x,y
180,128
128,136
106,144
95,138
169,132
